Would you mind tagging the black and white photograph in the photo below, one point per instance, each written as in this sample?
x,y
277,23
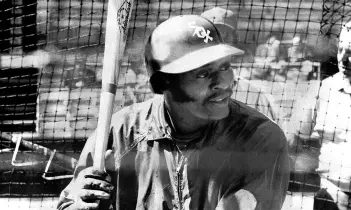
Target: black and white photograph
x,y
175,105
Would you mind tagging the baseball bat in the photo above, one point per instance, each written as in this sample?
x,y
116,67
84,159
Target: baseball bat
x,y
118,15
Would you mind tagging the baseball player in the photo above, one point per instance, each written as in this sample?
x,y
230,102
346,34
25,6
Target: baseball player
x,y
191,146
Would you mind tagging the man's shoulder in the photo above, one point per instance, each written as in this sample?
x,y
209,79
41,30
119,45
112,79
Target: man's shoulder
x,y
255,128
131,124
247,113
137,113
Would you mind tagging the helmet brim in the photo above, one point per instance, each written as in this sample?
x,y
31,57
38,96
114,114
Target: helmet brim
x,y
201,57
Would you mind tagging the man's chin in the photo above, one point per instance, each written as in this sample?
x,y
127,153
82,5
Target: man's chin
x,y
219,114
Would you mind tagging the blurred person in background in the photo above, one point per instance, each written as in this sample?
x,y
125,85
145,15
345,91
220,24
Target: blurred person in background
x,y
295,52
271,59
325,124
300,56
268,51
142,88
227,23
245,91
134,49
128,80
80,76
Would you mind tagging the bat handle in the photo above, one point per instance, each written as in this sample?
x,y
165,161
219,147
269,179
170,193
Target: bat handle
x,y
103,128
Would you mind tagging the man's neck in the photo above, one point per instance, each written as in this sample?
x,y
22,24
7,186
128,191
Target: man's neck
x,y
183,122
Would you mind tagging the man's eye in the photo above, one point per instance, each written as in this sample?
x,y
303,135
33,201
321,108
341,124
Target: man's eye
x,y
225,68
203,74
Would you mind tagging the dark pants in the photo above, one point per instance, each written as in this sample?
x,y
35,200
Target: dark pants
x,y
323,201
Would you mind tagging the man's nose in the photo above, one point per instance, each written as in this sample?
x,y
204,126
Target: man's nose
x,y
223,80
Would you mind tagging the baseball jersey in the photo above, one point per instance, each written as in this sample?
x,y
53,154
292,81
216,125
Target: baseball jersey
x,y
239,162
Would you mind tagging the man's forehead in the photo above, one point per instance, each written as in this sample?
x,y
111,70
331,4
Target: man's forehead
x,y
214,63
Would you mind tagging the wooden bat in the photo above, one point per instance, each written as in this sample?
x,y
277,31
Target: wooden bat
x,y
118,15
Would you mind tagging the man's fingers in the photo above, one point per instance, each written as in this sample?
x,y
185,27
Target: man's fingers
x,y
86,195
96,184
92,176
95,172
81,205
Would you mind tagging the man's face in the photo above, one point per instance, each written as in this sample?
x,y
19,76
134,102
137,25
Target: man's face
x,y
205,92
344,54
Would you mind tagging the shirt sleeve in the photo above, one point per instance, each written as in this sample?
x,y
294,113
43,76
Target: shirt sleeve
x,y
268,168
267,173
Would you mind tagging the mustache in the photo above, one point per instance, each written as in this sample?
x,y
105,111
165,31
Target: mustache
x,y
228,91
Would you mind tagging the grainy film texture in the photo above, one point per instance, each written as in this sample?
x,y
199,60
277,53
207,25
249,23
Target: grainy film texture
x,y
51,59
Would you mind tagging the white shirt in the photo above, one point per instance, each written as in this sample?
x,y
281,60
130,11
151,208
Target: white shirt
x,y
332,125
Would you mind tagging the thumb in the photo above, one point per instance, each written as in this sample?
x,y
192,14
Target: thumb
x,y
110,160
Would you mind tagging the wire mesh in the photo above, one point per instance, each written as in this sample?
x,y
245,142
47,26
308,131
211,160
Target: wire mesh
x,y
51,55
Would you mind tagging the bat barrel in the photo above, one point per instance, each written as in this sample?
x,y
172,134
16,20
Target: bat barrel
x,y
103,128
118,15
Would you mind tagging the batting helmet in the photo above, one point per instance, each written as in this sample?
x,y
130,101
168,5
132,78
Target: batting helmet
x,y
184,43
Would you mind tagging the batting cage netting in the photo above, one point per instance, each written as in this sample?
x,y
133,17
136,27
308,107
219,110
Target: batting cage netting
x,y
51,58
